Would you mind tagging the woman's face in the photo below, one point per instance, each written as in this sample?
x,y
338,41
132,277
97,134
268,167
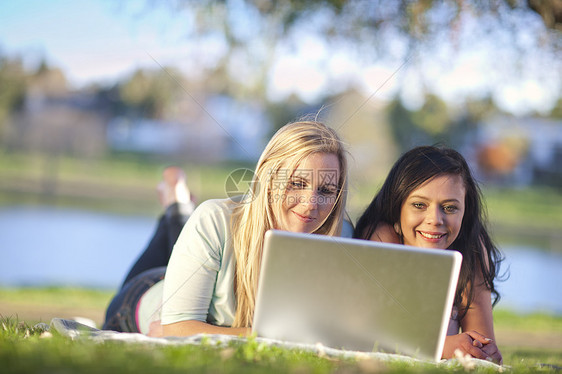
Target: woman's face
x,y
431,215
309,193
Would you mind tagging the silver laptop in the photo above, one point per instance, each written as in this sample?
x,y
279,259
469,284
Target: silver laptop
x,y
355,294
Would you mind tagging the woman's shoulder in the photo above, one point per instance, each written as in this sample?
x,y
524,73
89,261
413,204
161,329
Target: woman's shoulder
x,y
212,216
215,206
385,233
206,231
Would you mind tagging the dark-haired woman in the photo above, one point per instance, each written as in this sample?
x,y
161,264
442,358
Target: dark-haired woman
x,y
431,200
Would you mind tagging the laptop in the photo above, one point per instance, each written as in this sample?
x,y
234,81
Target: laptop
x,y
355,294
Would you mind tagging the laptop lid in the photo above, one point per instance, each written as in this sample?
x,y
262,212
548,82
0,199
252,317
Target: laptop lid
x,y
355,294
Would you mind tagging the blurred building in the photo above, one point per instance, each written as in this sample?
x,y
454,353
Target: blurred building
x,y
221,129
54,120
209,128
518,151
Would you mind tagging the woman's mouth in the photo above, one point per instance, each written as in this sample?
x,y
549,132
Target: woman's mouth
x,y
302,218
432,235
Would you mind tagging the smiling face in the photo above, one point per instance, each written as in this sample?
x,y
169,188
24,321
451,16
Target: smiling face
x,y
310,194
431,216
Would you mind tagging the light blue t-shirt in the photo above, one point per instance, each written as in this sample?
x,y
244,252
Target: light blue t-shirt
x,y
200,275
201,270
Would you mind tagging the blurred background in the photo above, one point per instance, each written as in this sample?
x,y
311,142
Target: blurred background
x,y
97,97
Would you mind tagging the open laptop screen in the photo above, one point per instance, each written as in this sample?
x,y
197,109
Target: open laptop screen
x,y
355,294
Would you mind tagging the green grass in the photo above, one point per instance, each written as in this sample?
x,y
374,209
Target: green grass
x,y
22,349
28,349
127,183
535,208
538,322
122,184
69,297
59,296
532,359
526,217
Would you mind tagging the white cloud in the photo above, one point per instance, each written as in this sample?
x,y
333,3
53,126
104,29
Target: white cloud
x,y
523,97
295,75
379,81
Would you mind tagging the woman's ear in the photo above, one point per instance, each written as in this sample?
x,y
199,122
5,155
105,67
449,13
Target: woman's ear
x,y
398,229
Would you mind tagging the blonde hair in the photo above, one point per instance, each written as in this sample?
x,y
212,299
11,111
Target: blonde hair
x,y
251,219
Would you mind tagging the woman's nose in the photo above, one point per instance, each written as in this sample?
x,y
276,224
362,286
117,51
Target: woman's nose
x,y
434,216
310,198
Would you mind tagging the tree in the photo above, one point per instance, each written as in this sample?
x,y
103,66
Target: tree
x,y
431,123
150,93
433,117
557,110
361,22
13,80
549,10
417,18
256,32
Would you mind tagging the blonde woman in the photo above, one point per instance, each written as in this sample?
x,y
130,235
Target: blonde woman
x,y
299,185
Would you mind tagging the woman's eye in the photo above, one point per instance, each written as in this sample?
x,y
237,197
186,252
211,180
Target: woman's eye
x,y
418,205
296,185
327,191
450,209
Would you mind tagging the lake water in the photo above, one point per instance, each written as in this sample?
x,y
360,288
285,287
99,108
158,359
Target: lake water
x,y
43,246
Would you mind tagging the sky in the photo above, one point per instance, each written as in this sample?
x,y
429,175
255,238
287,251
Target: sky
x,y
90,40
101,41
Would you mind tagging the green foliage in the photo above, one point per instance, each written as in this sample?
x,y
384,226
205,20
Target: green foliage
x,y
430,124
150,93
402,126
13,80
432,117
419,19
556,112
281,113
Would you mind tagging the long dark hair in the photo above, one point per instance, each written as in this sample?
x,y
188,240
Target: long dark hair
x,y
414,168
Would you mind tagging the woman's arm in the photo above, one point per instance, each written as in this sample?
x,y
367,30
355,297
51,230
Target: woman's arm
x,y
192,327
477,338
200,270
480,318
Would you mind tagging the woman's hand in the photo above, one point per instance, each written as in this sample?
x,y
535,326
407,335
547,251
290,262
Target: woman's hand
x,y
493,352
474,344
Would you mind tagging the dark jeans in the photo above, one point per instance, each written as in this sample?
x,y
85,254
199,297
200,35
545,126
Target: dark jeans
x,y
148,270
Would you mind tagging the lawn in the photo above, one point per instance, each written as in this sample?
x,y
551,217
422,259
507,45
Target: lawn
x,y
529,343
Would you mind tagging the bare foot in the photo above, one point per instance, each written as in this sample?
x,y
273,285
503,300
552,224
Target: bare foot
x,y
173,188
